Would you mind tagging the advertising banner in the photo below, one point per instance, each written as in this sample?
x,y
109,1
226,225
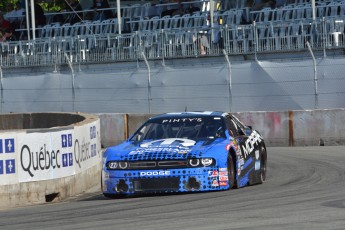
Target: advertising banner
x,y
56,154
87,146
45,156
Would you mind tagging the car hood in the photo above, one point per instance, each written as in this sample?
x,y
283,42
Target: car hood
x,y
163,149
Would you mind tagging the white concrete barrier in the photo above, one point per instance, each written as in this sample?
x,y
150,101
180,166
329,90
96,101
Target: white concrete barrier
x,y
49,163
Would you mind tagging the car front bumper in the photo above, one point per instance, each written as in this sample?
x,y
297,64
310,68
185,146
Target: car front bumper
x,y
164,181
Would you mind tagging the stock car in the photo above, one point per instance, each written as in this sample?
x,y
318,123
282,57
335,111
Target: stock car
x,y
185,152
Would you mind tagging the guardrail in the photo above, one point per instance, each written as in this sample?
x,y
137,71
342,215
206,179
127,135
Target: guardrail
x,y
256,38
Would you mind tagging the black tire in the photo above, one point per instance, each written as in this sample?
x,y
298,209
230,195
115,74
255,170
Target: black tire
x,y
263,164
231,172
110,196
114,196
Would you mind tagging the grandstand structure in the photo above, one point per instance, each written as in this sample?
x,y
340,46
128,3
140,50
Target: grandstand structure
x,y
286,29
268,59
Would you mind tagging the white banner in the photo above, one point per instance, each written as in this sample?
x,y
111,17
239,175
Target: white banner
x,y
87,146
46,156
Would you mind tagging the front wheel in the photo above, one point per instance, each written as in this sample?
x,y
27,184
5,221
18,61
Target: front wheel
x,y
231,172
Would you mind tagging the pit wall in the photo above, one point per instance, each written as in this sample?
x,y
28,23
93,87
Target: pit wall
x,y
285,128
49,164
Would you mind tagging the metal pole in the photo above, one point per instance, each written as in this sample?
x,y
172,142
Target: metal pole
x,y
72,70
211,19
230,80
33,21
119,22
315,76
324,36
27,19
256,40
314,9
148,82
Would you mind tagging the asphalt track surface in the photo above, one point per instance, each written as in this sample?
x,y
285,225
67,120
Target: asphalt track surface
x,y
305,189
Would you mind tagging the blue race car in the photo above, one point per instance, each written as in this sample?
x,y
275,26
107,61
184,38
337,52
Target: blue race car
x,y
185,152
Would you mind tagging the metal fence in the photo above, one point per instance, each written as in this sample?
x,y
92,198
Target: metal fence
x,y
256,38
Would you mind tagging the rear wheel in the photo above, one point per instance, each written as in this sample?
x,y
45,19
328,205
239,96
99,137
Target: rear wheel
x,y
263,164
231,172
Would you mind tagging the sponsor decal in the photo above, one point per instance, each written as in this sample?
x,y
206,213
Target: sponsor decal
x,y
36,161
215,182
248,147
223,183
70,161
46,159
7,166
227,147
182,120
93,150
183,152
171,150
257,165
223,170
238,151
66,140
223,178
169,143
223,173
155,173
8,144
213,173
93,132
67,159
10,166
82,152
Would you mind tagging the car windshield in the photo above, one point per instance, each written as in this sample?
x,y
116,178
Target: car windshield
x,y
189,127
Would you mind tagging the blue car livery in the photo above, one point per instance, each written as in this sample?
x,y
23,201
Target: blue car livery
x,y
185,152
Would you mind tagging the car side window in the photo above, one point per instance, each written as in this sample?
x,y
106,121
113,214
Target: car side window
x,y
233,127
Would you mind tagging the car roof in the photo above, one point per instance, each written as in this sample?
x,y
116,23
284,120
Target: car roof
x,y
189,114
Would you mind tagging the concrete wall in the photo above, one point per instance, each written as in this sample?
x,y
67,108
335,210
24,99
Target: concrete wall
x,y
179,84
285,128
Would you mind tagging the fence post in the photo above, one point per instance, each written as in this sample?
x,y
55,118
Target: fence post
x,y
72,70
148,82
315,75
230,82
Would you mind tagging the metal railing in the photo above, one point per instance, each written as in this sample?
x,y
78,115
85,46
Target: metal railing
x,y
256,38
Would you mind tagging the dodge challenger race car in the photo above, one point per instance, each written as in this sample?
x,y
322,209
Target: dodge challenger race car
x,y
185,152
